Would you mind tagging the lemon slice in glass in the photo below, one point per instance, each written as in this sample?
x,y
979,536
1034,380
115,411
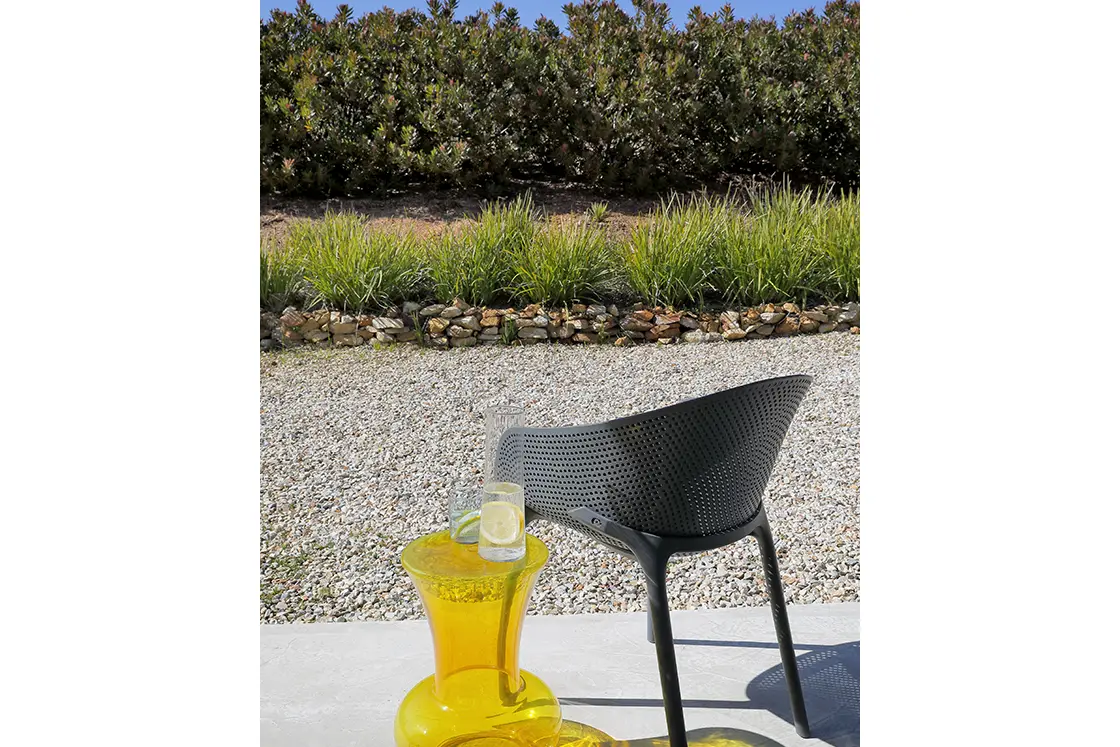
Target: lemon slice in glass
x,y
465,526
502,523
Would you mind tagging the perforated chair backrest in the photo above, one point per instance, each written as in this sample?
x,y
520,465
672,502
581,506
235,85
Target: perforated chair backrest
x,y
694,469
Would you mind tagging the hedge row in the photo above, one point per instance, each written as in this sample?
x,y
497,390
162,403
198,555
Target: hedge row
x,y
619,102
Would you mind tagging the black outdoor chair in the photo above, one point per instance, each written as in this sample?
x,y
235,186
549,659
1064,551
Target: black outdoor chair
x,y
681,479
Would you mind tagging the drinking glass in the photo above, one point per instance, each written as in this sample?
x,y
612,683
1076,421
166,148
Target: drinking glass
x,y
501,528
501,534
463,513
498,419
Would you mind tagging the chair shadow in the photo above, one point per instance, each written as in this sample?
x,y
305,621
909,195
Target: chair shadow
x,y
829,681
575,734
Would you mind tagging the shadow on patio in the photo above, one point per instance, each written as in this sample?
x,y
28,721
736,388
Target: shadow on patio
x,y
574,734
829,679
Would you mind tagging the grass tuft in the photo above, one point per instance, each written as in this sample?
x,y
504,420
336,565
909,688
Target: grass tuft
x,y
768,254
281,276
354,269
671,259
837,239
597,213
475,263
561,263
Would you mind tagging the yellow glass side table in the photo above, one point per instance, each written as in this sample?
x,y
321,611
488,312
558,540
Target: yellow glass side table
x,y
478,696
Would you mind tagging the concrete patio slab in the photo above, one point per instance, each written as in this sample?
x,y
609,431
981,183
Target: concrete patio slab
x,y
339,684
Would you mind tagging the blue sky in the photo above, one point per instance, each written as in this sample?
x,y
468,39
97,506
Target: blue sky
x,y
530,10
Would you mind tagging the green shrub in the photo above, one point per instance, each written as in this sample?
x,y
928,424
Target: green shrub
x,y
476,263
768,254
628,102
354,269
671,259
281,276
562,263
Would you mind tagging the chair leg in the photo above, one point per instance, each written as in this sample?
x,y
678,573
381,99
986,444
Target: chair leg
x,y
649,625
666,656
781,627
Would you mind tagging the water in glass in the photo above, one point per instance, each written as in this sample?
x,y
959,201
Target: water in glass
x,y
464,511
501,528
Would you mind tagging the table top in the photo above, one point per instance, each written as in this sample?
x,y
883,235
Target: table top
x,y
437,556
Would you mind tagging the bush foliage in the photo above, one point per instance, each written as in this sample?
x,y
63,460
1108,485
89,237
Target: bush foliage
x,y
625,102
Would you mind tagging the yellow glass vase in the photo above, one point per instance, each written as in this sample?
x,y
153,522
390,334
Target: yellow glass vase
x,y
478,696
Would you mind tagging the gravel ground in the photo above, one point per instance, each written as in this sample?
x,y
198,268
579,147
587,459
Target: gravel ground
x,y
359,448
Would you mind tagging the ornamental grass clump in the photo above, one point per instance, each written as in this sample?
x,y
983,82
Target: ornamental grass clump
x,y
769,254
773,246
598,212
837,241
671,259
354,269
281,276
477,263
562,263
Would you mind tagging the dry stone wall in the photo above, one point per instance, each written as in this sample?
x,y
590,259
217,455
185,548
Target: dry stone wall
x,y
458,325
